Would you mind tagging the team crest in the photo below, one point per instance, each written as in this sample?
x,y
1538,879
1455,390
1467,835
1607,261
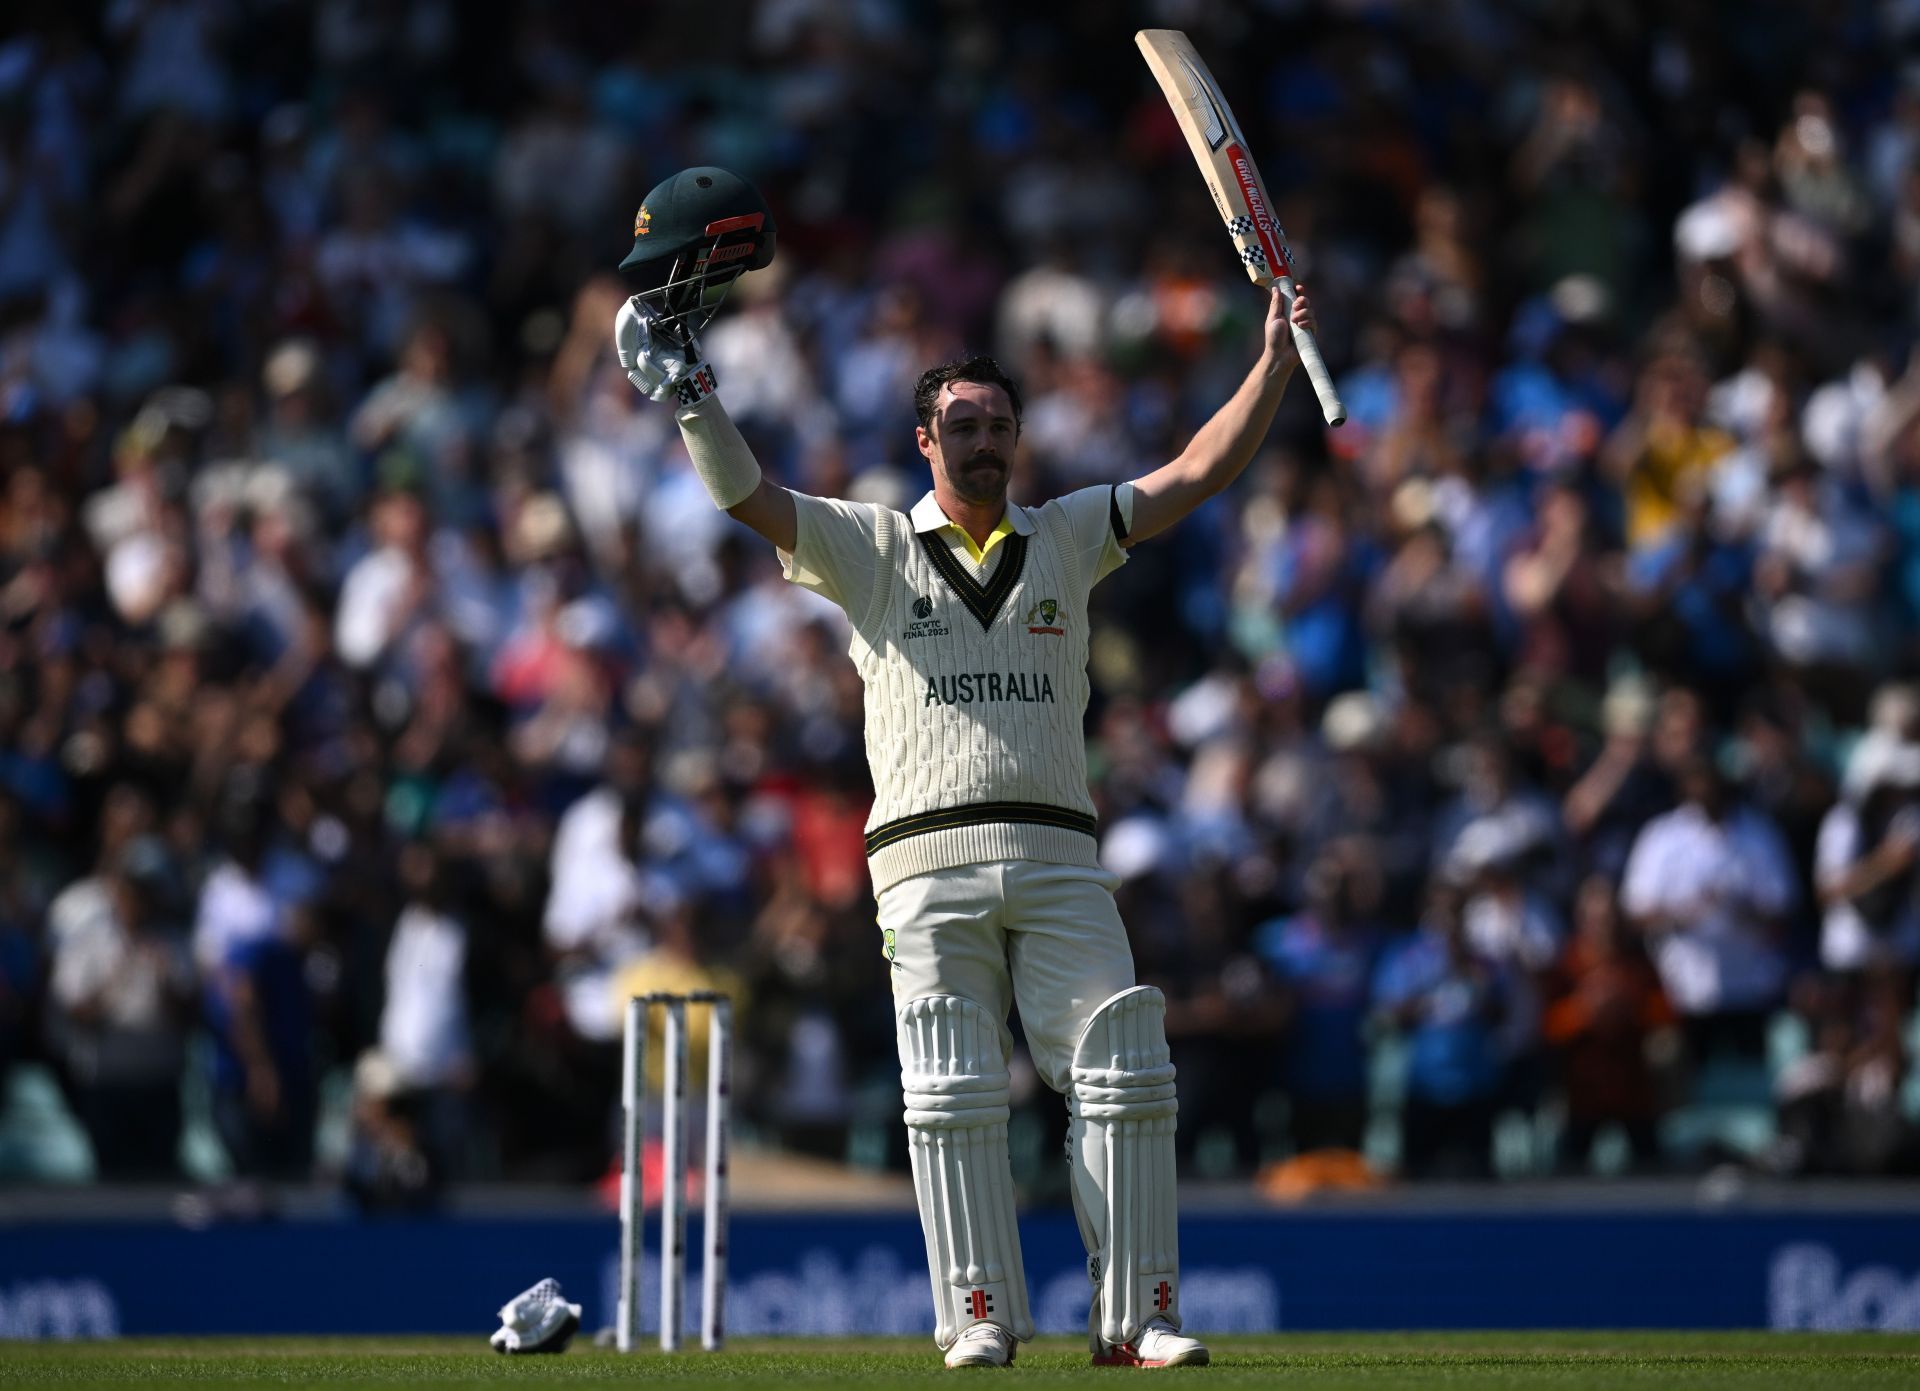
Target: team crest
x,y
642,221
1044,617
891,944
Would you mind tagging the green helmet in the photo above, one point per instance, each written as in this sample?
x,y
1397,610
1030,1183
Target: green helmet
x,y
695,233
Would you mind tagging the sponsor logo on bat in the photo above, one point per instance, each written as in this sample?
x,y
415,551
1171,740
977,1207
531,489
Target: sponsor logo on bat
x,y
1256,201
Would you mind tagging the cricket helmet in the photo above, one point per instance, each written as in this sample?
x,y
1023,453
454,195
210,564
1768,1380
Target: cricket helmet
x,y
693,236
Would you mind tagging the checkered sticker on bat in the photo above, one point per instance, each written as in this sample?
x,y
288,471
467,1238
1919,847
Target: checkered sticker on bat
x,y
1200,110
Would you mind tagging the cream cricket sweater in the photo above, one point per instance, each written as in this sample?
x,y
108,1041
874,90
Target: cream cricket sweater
x,y
975,675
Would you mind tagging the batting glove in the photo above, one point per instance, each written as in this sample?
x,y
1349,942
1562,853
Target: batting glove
x,y
662,369
536,1320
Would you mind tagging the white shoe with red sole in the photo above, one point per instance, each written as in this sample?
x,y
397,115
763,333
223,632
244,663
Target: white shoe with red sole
x,y
1159,1344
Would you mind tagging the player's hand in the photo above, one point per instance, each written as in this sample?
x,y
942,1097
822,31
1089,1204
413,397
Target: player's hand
x,y
1281,323
662,369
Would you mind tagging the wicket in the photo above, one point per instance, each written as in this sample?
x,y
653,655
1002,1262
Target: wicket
x,y
673,1182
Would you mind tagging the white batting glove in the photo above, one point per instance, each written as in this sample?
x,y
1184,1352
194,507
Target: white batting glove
x,y
536,1320
660,368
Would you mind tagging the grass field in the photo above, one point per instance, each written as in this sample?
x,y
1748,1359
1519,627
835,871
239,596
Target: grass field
x,y
1457,1360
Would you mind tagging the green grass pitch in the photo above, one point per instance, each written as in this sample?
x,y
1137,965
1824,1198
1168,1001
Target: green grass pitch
x,y
1565,1361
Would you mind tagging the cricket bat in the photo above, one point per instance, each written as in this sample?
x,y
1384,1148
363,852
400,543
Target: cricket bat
x,y
1221,151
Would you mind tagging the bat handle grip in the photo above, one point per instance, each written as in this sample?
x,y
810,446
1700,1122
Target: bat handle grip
x,y
1305,344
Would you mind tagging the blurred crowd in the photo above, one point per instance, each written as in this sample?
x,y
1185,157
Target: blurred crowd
x,y
382,700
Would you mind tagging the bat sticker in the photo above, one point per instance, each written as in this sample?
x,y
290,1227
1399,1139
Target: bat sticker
x,y
1198,90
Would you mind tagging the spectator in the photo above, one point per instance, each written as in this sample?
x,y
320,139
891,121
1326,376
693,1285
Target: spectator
x,y
1664,454
1514,926
805,984
1223,1018
385,591
300,433
598,913
1311,577
1607,1019
1839,1105
121,993
1686,593
265,1088
1819,572
252,953
1564,590
676,964
425,1038
1322,958
1864,867
1710,884
236,906
1497,815
374,268
1449,1002
388,1167
1624,786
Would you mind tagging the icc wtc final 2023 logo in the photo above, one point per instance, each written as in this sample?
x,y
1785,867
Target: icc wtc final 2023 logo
x,y
924,624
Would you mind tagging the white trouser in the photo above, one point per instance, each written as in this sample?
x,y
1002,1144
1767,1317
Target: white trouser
x,y
966,945
1045,937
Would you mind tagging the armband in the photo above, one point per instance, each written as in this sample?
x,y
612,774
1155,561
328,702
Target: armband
x,y
725,465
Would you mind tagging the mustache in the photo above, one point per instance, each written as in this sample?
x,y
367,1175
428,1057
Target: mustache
x,y
984,456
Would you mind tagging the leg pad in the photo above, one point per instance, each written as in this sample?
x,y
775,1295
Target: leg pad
x,y
954,1081
1120,1146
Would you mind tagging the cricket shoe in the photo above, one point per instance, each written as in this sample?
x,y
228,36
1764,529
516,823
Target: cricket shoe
x,y
982,1344
1159,1344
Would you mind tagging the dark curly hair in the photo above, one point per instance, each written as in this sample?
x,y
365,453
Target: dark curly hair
x,y
979,369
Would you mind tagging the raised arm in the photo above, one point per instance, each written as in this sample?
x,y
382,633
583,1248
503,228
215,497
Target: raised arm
x,y
769,510
1223,446
728,467
667,370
